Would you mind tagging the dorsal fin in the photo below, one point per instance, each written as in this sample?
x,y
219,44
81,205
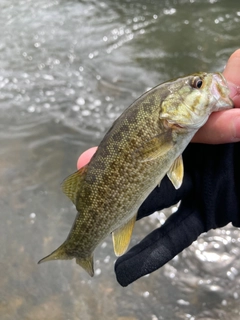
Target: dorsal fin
x,y
71,184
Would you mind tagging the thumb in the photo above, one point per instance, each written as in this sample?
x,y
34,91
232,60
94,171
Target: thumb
x,y
85,157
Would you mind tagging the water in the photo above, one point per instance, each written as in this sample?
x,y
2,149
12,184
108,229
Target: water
x,y
67,70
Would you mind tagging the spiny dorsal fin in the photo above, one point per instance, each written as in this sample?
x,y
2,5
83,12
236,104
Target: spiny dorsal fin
x,y
176,172
71,184
122,236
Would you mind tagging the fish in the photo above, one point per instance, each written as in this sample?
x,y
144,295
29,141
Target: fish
x,y
143,145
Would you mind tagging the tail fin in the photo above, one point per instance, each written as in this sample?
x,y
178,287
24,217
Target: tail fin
x,y
58,254
86,264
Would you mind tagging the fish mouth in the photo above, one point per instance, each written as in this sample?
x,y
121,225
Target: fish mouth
x,y
221,92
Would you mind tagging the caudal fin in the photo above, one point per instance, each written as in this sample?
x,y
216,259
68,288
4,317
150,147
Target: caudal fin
x,y
58,254
86,264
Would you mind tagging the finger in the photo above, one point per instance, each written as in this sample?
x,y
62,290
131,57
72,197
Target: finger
x,y
221,127
224,127
85,157
160,246
231,73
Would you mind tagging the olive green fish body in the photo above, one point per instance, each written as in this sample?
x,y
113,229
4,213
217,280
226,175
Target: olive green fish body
x,y
143,145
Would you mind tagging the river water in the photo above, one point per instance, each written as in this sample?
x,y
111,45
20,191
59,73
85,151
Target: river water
x,y
67,70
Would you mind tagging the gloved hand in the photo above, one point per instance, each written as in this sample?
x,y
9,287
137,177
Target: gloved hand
x,y
210,196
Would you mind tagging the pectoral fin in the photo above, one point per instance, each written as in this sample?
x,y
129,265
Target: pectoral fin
x,y
176,172
122,236
155,147
71,184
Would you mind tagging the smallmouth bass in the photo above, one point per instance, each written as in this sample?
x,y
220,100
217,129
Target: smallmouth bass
x,y
143,145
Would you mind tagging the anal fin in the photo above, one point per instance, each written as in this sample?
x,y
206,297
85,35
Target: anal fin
x,y
122,236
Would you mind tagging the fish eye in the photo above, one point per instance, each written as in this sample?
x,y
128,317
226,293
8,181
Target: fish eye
x,y
197,83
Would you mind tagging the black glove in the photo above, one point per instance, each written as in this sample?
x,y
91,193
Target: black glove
x,y
210,196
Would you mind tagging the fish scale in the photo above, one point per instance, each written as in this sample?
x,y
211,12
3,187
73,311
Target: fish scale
x,y
142,146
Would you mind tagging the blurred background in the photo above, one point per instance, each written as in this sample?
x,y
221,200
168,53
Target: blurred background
x,y
68,68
